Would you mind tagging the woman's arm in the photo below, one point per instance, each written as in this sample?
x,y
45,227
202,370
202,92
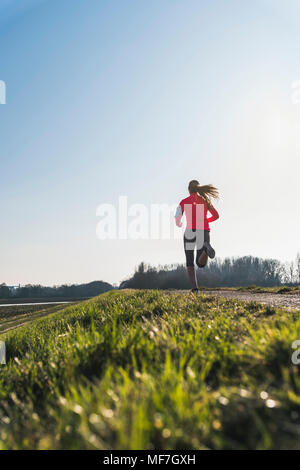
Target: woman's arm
x,y
214,213
178,216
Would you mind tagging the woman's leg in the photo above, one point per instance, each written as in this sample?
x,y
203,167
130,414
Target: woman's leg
x,y
189,254
201,257
192,276
207,246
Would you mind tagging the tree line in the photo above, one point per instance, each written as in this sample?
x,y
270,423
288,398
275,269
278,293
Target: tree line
x,y
74,291
228,272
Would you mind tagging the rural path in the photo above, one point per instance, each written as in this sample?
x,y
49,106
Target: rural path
x,y
287,301
10,321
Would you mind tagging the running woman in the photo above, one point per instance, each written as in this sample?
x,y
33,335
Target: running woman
x,y
196,234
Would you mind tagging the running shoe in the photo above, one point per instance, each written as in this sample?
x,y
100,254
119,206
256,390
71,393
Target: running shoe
x,y
209,250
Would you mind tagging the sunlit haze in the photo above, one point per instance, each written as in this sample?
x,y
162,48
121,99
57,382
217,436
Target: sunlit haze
x,y
136,98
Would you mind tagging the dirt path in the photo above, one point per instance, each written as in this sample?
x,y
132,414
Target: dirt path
x,y
11,322
23,320
288,301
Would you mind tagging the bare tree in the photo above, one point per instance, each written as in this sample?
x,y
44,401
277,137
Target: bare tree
x,y
298,267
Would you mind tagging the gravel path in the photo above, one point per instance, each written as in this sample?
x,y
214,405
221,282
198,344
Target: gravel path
x,y
288,301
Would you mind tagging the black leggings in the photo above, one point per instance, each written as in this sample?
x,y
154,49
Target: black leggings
x,y
194,238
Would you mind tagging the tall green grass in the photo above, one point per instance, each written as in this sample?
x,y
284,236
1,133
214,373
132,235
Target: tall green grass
x,y
152,370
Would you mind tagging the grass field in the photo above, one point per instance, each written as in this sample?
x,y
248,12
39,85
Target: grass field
x,y
152,370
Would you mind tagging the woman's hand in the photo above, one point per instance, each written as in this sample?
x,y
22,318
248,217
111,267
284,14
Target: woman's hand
x,y
178,221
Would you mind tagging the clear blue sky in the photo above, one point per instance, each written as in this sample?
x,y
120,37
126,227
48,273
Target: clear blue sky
x,y
136,97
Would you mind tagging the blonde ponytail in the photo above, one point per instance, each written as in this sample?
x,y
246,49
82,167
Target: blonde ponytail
x,y
207,191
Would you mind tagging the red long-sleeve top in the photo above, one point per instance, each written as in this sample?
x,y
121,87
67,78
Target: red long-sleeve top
x,y
196,208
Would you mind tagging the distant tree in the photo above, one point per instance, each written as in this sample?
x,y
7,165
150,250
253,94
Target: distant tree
x,y
64,291
242,271
298,267
4,291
